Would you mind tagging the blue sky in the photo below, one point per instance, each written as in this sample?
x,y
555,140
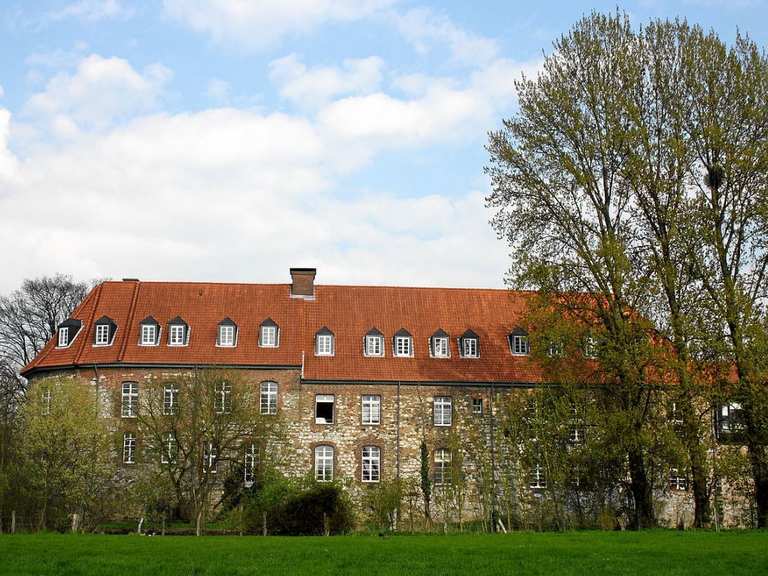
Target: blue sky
x,y
228,140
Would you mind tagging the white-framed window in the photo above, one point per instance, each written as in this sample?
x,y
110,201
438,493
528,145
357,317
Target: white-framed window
x,y
520,346
148,335
674,414
268,398
250,464
676,481
170,449
403,346
538,478
730,418
63,337
374,345
102,335
576,434
324,408
170,399
45,401
555,349
371,409
442,466
176,335
268,337
469,347
590,347
226,335
440,347
477,406
209,457
324,345
324,463
129,448
442,408
371,464
130,403
223,399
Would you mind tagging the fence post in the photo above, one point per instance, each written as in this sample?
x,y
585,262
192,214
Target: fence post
x,y
264,523
13,521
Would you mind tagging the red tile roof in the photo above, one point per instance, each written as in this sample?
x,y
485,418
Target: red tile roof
x,y
349,311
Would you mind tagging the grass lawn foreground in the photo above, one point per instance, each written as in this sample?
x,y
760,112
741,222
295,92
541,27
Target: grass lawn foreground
x,y
651,552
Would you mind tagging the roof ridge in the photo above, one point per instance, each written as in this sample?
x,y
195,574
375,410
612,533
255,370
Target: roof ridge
x,y
99,289
129,323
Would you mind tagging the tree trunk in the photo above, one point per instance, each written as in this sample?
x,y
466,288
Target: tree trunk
x,y
759,461
641,491
199,523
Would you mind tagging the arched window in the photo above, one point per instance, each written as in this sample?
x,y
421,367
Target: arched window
x,y
324,342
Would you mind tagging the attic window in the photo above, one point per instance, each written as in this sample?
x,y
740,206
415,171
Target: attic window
x,y
149,334
178,332
324,342
67,332
324,408
63,337
374,343
438,345
469,345
227,337
518,342
269,334
403,343
104,331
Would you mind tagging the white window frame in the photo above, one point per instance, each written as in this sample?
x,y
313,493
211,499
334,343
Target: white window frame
x,y
129,406
173,333
324,463
677,482
45,400
102,335
269,337
538,477
129,448
324,345
441,347
372,404
170,399
227,336
590,347
371,464
576,434
63,340
146,330
443,459
210,458
442,408
170,449
477,406
250,463
520,345
268,398
403,347
470,348
326,398
374,346
223,398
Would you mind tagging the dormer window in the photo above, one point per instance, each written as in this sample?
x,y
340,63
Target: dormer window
x,y
403,343
469,344
104,333
67,332
227,337
518,342
438,345
178,332
324,344
149,332
269,334
374,343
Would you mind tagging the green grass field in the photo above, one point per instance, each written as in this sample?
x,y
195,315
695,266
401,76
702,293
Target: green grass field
x,y
655,552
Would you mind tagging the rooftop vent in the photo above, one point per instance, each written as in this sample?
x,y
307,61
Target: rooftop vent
x,y
303,282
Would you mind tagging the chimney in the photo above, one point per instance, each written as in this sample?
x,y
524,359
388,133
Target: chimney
x,y
303,282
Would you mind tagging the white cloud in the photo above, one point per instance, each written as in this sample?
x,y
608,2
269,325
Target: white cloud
x,y
8,164
259,24
98,93
218,90
93,10
315,86
424,29
2,91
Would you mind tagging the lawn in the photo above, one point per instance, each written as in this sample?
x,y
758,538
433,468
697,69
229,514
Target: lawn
x,y
654,552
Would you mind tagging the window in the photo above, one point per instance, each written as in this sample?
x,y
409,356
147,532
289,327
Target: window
x,y
250,464
102,335
209,457
268,398
440,347
518,342
538,479
130,403
129,448
67,332
374,343
268,337
371,464
477,406
170,399
677,482
324,343
176,337
223,398
469,345
730,419
63,337
324,463
324,408
403,343
442,410
169,450
45,402
576,434
148,335
442,466
371,410
555,349
590,347
226,335
674,414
